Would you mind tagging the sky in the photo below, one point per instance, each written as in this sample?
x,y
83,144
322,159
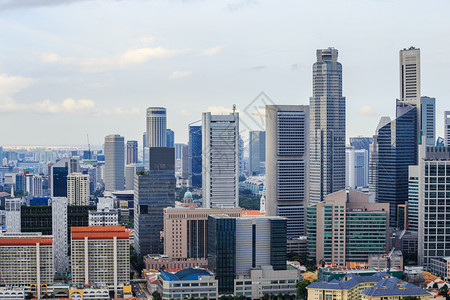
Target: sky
x,y
74,67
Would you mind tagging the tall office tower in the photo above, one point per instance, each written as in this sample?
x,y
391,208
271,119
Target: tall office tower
x,y
428,118
195,156
170,138
101,255
78,189
26,259
132,152
433,229
327,125
220,160
186,230
238,245
346,227
74,164
156,127
361,142
114,163
287,164
447,128
130,170
144,145
153,191
410,77
182,161
37,186
413,198
357,169
394,149
241,156
60,235
13,215
257,154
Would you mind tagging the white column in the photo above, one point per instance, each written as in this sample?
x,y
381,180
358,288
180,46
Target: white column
x,y
115,265
86,260
38,272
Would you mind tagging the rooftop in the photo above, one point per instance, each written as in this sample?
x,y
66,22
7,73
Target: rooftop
x,y
394,287
347,282
186,274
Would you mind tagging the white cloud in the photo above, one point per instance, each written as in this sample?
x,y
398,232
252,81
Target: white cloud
x,y
119,111
145,41
179,74
220,110
212,51
184,113
11,85
367,110
129,58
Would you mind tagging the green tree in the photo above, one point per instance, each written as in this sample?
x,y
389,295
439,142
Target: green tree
x,y
435,286
156,295
444,292
302,292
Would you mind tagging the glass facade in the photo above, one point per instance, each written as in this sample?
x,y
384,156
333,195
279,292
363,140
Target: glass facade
x,y
278,244
195,156
59,181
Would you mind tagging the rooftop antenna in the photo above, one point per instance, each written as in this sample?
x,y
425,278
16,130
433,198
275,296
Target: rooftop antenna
x,y
234,108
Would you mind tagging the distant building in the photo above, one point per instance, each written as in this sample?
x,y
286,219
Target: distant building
x,y
78,191
160,261
360,142
114,163
60,235
257,154
220,160
12,215
170,138
447,128
107,249
410,77
195,156
357,168
413,198
132,152
58,174
104,217
346,227
156,127
428,119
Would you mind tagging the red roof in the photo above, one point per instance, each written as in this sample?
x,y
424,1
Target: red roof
x,y
97,228
252,213
5,242
4,194
100,233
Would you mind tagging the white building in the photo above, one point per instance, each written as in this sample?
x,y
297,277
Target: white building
x,y
60,235
104,217
287,164
156,127
357,169
428,111
220,160
78,189
410,76
114,176
447,128
12,215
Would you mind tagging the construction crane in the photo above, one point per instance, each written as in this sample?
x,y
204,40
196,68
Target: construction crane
x,y
389,255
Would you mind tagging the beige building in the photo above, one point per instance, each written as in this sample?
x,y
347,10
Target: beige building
x,y
159,262
26,259
78,189
186,230
101,255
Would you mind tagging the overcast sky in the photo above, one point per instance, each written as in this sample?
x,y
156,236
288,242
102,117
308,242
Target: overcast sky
x,y
70,68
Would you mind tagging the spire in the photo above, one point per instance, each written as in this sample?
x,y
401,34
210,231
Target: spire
x,y
12,191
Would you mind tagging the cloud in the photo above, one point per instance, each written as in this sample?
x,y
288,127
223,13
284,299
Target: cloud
x,y
184,113
179,74
121,61
220,110
212,51
257,68
9,86
146,41
119,111
238,5
24,4
367,110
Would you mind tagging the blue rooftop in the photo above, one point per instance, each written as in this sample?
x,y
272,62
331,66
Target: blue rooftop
x,y
394,287
347,281
186,274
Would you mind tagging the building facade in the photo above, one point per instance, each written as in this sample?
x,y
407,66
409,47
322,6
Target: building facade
x,y
220,160
257,156
170,138
60,235
357,168
447,128
132,152
287,164
156,127
195,156
428,119
114,176
78,190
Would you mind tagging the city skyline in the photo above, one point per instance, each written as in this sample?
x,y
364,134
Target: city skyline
x,y
107,83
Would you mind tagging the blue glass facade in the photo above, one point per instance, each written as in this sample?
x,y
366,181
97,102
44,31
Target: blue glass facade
x,y
195,156
361,142
170,138
59,181
396,148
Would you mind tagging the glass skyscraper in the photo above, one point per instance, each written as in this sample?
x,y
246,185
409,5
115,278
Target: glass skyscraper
x,y
327,127
195,156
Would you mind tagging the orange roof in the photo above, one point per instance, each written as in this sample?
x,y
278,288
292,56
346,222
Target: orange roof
x,y
5,242
101,235
173,270
97,228
252,213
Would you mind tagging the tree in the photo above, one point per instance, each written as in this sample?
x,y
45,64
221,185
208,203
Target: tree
x,y
444,292
156,295
435,286
302,292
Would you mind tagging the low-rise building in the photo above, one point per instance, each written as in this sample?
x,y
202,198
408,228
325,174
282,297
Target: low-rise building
x,y
159,262
104,217
296,245
12,293
266,280
187,283
439,266
327,274
394,289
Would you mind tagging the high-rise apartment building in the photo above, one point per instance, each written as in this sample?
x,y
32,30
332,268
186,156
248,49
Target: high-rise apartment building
x,y
195,156
132,152
447,128
346,227
428,119
153,191
186,230
257,154
220,160
410,76
170,138
114,176
238,245
78,189
100,255
60,235
357,168
156,127
26,259
287,164
327,127
433,194
394,149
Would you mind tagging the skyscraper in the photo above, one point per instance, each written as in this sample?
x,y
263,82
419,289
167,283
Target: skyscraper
x,y
357,169
114,163
410,76
257,156
132,152
361,142
156,127
287,165
428,117
220,160
60,235
170,138
78,189
153,191
195,156
447,128
58,174
327,125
